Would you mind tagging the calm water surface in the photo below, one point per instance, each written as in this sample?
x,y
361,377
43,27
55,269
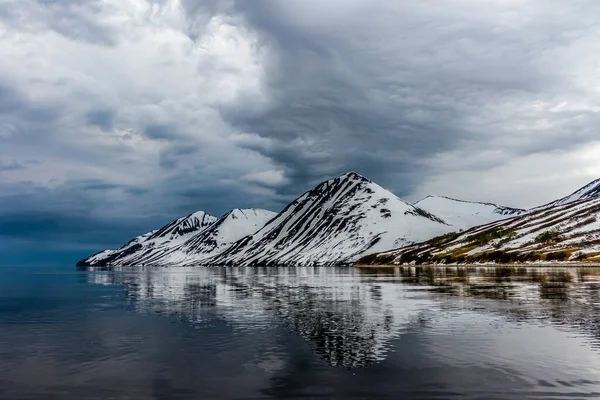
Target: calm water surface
x,y
260,333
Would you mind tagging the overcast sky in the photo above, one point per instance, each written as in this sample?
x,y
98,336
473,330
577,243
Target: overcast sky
x,y
117,116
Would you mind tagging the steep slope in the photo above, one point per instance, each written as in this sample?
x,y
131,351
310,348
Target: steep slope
x,y
334,223
564,232
153,243
465,214
589,191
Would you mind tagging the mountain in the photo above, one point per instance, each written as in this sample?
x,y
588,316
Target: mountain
x,y
217,237
563,232
589,191
338,222
153,243
187,240
334,223
465,214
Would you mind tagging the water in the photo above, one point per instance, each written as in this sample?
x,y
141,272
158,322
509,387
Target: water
x,y
260,333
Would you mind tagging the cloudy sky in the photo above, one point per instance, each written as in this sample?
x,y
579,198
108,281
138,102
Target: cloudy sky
x,y
117,116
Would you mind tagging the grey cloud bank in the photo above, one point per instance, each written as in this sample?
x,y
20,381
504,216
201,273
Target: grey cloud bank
x,y
117,116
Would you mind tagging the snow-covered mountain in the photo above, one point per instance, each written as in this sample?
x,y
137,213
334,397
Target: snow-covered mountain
x,y
217,237
191,239
564,232
158,241
336,222
155,242
465,214
589,191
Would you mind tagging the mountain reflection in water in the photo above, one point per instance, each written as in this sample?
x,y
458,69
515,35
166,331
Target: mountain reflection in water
x,y
350,316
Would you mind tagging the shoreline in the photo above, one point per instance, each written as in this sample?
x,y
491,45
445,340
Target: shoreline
x,y
515,265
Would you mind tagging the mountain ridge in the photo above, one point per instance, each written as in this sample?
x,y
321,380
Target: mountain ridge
x,y
466,201
336,222
177,247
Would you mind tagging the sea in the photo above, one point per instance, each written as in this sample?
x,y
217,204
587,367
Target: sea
x,y
469,332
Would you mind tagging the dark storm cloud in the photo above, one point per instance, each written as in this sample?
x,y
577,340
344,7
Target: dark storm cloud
x,y
48,238
340,105
89,212
66,222
196,189
385,88
50,226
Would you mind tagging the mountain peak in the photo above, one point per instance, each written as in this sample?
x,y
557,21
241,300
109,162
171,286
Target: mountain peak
x,y
235,212
247,213
197,214
354,176
184,226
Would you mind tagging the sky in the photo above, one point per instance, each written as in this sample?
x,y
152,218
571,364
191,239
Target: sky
x,y
117,116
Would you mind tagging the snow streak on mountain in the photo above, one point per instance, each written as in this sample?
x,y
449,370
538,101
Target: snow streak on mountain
x,y
335,223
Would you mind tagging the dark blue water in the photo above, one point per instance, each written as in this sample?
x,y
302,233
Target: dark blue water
x,y
252,333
